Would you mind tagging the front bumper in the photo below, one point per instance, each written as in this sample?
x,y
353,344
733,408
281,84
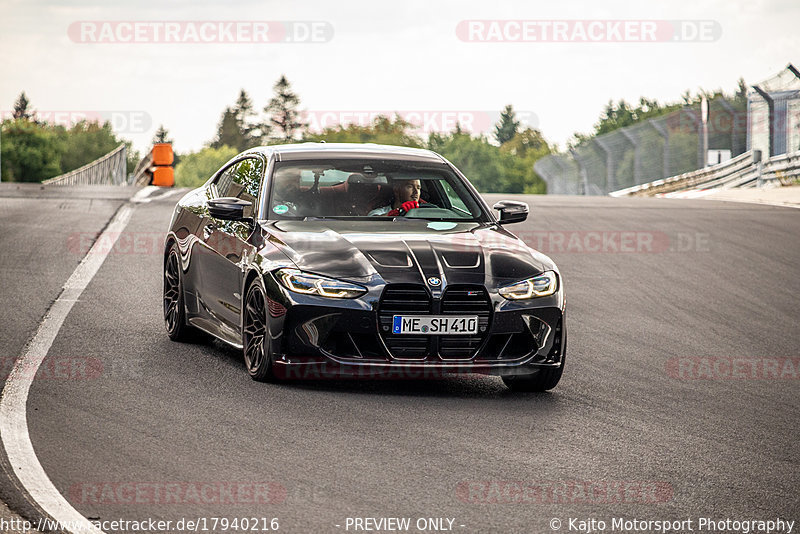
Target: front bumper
x,y
315,337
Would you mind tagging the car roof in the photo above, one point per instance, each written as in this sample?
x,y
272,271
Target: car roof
x,y
303,151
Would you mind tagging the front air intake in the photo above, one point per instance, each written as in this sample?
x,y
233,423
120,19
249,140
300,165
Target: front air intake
x,y
404,299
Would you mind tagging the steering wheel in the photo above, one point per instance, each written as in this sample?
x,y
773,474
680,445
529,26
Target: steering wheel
x,y
421,206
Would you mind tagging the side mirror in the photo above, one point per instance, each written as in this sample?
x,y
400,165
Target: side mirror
x,y
511,211
229,208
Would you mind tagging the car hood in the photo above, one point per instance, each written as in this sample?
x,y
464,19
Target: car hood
x,y
408,251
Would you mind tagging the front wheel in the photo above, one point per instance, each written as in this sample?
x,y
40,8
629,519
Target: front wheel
x,y
255,334
174,310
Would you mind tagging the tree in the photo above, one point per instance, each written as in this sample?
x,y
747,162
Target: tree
x,y
253,132
489,168
197,167
282,110
740,97
31,152
382,130
21,110
229,131
34,151
133,156
238,127
527,142
623,114
506,128
85,142
161,136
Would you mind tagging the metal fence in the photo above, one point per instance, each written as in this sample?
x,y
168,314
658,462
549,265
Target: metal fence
x,y
110,169
773,107
651,150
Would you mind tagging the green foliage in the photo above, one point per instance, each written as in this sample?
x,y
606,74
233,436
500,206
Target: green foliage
x,y
85,142
506,169
623,114
507,126
34,150
529,145
133,157
197,167
383,130
528,142
682,153
490,169
31,152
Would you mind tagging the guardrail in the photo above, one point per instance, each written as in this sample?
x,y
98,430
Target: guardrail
x,y
108,169
744,170
784,168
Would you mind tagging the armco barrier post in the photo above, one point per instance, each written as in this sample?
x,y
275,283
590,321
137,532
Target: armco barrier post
x,y
759,167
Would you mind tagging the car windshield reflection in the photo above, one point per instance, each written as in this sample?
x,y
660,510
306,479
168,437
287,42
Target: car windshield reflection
x,y
314,190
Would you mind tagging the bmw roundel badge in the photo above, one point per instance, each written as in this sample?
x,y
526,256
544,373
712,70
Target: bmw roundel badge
x,y
434,281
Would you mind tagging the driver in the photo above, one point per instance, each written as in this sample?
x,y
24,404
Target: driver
x,y
406,198
286,191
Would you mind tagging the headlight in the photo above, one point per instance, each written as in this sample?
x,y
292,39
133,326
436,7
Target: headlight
x,y
312,284
539,286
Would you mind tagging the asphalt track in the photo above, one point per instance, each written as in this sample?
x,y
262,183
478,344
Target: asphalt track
x,y
679,399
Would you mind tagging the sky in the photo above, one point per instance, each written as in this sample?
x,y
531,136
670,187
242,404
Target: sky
x,y
432,60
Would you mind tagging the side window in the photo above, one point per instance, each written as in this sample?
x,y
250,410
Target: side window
x,y
241,180
224,181
247,179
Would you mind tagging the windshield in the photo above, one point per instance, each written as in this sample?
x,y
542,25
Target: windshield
x,y
369,190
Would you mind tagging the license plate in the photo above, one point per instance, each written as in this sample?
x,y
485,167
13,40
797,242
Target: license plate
x,y
435,324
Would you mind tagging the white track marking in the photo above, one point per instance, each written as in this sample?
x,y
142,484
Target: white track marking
x,y
13,402
146,194
762,202
142,195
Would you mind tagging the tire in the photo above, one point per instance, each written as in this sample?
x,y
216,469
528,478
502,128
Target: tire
x,y
255,334
542,380
174,309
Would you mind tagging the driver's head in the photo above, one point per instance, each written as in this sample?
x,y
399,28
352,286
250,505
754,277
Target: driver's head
x,y
287,182
405,190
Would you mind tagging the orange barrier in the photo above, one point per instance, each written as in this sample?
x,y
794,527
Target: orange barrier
x,y
163,176
156,167
162,154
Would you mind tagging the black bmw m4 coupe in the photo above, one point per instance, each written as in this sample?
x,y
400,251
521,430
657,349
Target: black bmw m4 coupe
x,y
352,260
